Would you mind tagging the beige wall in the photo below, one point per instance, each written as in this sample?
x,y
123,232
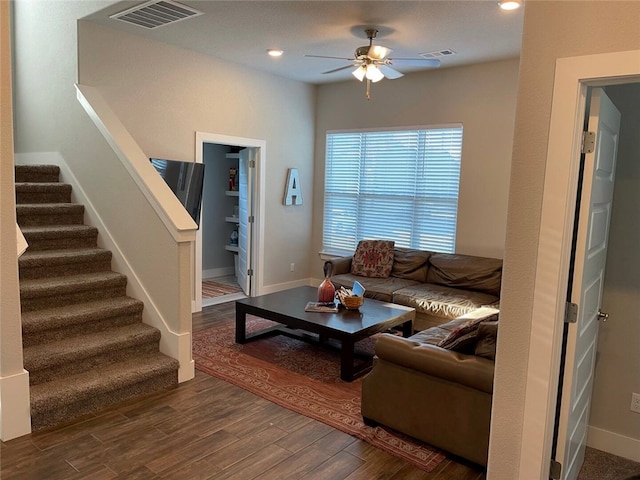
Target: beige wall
x,y
10,326
164,95
594,27
15,419
617,372
482,97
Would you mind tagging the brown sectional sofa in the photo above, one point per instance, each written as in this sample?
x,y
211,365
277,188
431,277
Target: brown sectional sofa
x,y
437,395
440,286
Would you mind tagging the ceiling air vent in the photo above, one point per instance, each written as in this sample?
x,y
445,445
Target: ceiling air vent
x,y
438,54
156,13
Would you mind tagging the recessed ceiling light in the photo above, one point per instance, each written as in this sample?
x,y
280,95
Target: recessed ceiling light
x,y
509,4
275,52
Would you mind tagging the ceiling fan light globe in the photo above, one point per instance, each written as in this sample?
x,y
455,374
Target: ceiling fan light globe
x,y
378,52
374,74
359,72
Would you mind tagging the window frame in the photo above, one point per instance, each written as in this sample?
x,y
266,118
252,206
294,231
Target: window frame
x,y
333,250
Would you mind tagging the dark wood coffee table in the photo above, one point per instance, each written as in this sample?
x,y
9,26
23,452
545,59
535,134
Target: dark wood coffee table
x,y
346,326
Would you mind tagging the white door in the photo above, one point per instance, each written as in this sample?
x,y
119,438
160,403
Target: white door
x,y
588,278
245,207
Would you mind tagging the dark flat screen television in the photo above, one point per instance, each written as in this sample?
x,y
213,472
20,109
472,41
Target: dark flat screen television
x,y
185,180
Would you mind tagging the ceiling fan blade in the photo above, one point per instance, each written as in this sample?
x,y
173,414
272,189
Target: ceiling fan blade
x,y
389,72
415,62
339,68
324,56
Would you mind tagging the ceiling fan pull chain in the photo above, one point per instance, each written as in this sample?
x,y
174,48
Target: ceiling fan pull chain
x,y
368,93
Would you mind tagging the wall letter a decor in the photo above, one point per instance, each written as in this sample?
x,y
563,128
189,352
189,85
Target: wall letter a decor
x,y
292,192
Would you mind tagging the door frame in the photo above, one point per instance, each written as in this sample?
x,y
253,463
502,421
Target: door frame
x,y
573,77
258,212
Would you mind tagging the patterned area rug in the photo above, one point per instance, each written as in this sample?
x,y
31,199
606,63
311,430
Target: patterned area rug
x,y
304,378
212,289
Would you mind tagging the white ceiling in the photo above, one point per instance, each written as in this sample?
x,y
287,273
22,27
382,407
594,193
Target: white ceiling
x,y
241,31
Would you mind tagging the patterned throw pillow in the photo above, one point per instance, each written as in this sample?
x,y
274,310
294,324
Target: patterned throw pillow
x,y
464,336
486,343
373,258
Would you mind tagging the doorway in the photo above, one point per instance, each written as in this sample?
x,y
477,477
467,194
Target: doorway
x,y
226,266
594,210
617,372
222,194
573,76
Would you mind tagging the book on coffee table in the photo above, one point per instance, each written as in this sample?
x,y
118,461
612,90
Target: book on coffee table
x,y
321,307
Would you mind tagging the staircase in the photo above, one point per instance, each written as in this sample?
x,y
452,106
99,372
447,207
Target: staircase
x,y
84,342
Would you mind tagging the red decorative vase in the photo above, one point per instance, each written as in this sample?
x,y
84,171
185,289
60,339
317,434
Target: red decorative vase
x,y
326,290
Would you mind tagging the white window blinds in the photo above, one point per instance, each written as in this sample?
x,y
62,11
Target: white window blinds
x,y
399,185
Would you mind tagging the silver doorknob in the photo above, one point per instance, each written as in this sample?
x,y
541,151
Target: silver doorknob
x,y
603,316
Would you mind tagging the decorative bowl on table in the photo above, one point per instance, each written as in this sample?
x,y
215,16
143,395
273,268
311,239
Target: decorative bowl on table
x,y
350,302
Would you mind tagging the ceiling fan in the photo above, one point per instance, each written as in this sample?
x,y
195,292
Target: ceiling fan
x,y
372,62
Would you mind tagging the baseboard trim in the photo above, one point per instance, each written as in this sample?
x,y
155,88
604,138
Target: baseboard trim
x,y
614,443
285,286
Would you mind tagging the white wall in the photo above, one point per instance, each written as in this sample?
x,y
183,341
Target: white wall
x,y
595,27
617,372
164,95
482,97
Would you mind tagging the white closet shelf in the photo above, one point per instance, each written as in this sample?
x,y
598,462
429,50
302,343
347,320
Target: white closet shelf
x,y
232,193
232,219
231,248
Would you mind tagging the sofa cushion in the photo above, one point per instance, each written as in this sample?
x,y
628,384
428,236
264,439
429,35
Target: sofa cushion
x,y
465,271
445,302
378,288
486,340
373,258
411,264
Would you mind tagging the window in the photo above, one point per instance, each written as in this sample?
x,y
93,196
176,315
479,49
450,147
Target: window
x,y
399,185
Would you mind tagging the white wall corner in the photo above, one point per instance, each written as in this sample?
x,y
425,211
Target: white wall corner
x,y
15,406
178,346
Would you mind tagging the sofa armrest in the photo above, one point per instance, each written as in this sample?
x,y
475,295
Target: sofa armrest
x,y
470,370
339,265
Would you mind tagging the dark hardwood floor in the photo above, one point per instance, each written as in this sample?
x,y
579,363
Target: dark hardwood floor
x,y
206,429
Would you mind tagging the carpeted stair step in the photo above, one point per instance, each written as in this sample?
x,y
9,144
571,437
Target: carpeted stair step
x,y
34,192
54,237
71,261
79,353
40,293
41,326
71,397
37,173
31,214
84,342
